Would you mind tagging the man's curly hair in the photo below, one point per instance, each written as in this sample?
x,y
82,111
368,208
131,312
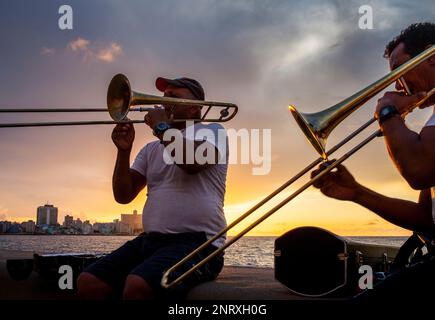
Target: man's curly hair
x,y
415,38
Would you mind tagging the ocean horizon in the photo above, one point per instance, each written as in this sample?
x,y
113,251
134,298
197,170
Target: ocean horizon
x,y
249,251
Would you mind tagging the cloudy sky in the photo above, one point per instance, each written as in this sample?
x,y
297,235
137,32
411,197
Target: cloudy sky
x,y
261,55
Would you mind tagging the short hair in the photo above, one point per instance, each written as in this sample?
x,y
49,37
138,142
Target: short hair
x,y
416,38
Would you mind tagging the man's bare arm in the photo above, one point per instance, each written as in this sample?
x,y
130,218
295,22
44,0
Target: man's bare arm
x,y
342,185
127,183
412,153
406,214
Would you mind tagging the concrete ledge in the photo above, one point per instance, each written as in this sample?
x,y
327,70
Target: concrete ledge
x,y
234,283
243,283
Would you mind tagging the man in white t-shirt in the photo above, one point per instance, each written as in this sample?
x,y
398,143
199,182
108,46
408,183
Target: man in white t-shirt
x,y
413,154
184,205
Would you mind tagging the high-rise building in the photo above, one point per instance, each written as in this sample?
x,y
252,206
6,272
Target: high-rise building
x,y
134,221
78,224
87,227
69,221
47,215
4,226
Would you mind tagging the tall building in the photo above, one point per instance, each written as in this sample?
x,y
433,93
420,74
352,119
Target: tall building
x,y
134,221
78,224
47,215
87,227
4,226
69,221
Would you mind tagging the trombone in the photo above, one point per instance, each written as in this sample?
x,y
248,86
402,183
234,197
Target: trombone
x,y
316,127
121,100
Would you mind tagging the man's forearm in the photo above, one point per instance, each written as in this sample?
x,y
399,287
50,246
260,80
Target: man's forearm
x,y
122,183
406,214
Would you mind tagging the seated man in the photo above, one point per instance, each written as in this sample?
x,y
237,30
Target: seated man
x,y
402,143
184,205
413,154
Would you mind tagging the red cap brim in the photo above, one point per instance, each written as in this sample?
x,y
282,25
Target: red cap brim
x,y
162,84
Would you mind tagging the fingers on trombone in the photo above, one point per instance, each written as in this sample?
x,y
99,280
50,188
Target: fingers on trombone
x,y
413,100
390,94
122,128
320,183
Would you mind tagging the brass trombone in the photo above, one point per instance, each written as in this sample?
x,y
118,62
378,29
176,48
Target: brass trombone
x,y
317,128
120,101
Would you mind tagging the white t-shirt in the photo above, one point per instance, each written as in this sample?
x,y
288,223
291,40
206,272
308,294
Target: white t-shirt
x,y
431,122
181,202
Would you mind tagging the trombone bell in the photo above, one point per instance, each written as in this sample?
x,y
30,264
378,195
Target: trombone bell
x,y
310,125
317,126
119,97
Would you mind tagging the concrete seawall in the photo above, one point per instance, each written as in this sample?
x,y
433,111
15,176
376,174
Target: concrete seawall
x,y
234,283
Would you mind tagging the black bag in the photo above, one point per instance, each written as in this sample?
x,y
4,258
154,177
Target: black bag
x,y
315,262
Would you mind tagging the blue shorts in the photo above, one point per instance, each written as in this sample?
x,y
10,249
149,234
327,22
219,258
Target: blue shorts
x,y
150,254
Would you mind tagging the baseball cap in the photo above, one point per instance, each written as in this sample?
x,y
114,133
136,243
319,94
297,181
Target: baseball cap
x,y
191,84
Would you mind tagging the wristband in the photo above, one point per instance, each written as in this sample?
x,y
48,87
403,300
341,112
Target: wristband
x,y
386,113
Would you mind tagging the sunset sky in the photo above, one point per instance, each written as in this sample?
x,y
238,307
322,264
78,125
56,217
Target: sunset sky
x,y
261,55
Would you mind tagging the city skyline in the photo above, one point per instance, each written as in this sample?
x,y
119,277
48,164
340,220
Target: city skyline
x,y
47,222
262,56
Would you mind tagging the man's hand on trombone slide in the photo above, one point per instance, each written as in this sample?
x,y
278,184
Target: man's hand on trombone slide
x,y
338,183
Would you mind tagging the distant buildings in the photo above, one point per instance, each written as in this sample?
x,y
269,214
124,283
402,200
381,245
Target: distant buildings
x,y
68,222
122,227
29,226
87,227
46,215
47,223
104,227
133,220
15,227
71,226
4,225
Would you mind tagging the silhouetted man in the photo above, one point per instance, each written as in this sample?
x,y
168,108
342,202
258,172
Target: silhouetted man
x,y
184,205
413,154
